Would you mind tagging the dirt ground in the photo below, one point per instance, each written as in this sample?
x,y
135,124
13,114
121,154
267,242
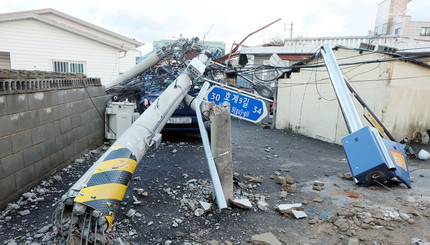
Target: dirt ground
x,y
161,205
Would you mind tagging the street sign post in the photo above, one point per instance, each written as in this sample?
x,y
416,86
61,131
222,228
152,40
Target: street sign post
x,y
241,106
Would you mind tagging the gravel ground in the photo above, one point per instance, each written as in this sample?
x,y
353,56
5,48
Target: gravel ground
x,y
168,198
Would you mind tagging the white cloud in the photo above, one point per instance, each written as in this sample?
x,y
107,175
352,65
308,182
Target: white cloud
x,y
232,20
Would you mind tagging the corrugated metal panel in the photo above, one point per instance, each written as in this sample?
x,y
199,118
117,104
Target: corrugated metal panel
x,y
4,60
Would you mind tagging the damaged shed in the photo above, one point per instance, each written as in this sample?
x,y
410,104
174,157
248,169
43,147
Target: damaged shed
x,y
394,88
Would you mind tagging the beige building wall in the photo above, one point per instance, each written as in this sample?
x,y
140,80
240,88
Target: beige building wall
x,y
307,103
412,29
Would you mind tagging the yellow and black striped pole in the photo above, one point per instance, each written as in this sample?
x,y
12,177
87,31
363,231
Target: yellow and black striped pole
x,y
106,187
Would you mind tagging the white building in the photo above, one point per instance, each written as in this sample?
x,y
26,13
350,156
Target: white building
x,y
392,19
50,40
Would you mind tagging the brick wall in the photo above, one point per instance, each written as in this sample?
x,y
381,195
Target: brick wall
x,y
44,125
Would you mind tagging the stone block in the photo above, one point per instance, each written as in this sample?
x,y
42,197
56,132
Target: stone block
x,y
59,112
24,177
78,147
21,141
72,136
42,167
82,106
46,115
56,159
37,101
3,106
52,98
39,134
32,155
61,94
53,129
48,147
84,130
11,164
100,101
65,125
73,95
8,187
9,124
60,141
96,91
76,121
17,103
82,93
84,117
68,152
5,147
72,108
29,119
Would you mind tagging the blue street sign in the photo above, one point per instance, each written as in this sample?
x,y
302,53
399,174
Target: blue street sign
x,y
241,106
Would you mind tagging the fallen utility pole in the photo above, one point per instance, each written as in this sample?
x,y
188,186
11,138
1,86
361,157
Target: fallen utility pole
x,y
371,158
89,208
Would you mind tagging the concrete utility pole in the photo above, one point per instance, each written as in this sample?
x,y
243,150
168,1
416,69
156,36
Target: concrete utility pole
x,y
99,192
221,147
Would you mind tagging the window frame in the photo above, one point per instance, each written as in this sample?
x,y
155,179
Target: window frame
x,y
425,31
69,66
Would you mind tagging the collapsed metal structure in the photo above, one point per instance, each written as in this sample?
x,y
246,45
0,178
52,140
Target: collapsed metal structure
x,y
88,210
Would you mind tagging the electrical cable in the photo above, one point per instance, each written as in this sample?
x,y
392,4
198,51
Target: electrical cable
x,y
95,106
316,87
304,93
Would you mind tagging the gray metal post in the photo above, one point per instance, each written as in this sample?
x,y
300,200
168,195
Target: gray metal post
x,y
211,163
221,147
145,64
349,111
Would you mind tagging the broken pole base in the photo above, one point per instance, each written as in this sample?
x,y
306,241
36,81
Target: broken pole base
x,y
222,148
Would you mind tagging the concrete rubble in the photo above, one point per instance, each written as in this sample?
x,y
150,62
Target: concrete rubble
x,y
265,239
242,203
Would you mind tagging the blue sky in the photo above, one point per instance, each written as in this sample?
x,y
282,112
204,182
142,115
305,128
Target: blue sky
x,y
232,20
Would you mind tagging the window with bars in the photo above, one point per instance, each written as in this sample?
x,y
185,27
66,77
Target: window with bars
x,y
425,31
69,66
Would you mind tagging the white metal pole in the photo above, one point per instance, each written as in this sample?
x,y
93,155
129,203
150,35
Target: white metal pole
x,y
349,111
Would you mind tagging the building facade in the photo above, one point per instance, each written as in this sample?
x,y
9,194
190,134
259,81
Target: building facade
x,y
392,19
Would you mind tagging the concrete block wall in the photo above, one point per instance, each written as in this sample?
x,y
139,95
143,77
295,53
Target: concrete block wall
x,y
44,126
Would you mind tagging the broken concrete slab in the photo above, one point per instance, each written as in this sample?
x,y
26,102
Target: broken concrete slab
x,y
298,214
242,203
205,206
265,239
286,208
